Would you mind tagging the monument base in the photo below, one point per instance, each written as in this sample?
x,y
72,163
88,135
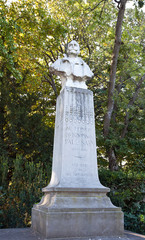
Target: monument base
x,y
66,213
75,203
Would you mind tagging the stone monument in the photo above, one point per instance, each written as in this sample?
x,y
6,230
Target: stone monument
x,y
75,203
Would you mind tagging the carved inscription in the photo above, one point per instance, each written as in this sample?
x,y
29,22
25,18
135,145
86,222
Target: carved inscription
x,y
76,114
78,108
80,137
75,139
76,117
79,170
79,141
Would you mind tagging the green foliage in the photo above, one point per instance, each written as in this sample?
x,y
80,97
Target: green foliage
x,y
33,34
22,192
127,192
7,45
38,35
28,178
26,131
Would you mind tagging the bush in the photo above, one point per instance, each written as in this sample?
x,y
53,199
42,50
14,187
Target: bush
x,y
127,192
23,190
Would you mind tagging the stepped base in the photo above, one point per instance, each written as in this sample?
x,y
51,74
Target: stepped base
x,y
70,213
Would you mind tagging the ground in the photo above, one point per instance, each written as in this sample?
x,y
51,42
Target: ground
x,y
28,234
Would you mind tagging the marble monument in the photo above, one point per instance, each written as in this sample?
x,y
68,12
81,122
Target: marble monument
x,y
75,203
72,70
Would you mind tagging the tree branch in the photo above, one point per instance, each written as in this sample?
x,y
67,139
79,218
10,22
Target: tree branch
x,y
61,49
92,9
53,55
131,102
51,82
110,104
51,59
102,9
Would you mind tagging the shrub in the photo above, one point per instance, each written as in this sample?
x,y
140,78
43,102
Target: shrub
x,y
127,192
23,190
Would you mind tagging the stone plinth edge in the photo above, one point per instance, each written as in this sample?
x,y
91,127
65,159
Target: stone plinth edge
x,y
85,190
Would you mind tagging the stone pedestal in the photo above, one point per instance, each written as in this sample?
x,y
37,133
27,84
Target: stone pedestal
x,y
75,203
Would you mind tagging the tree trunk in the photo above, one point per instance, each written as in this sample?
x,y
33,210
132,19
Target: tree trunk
x,y
117,44
110,104
113,166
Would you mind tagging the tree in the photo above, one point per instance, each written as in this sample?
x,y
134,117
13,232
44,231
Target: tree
x,y
33,34
44,33
9,74
25,104
110,107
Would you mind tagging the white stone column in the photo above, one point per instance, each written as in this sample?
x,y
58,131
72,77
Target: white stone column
x,y
74,155
75,203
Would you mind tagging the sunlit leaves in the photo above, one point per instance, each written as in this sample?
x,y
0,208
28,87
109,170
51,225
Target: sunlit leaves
x,y
36,34
8,48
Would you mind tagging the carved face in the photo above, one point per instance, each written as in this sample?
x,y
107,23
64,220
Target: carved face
x,y
73,48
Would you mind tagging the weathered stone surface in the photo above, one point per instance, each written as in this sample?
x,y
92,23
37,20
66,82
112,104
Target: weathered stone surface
x,y
71,69
76,213
78,224
74,156
75,203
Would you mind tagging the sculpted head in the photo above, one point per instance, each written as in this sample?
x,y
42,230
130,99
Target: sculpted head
x,y
73,48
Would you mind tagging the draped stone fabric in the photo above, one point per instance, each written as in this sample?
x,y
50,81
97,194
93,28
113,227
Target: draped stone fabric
x,y
71,69
67,67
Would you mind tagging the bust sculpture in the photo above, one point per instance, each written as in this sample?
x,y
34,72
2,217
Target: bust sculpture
x,y
71,69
